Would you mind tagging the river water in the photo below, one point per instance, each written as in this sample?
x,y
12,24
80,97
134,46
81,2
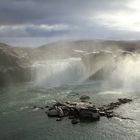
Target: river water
x,y
19,121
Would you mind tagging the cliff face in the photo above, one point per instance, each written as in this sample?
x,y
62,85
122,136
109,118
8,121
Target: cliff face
x,y
14,67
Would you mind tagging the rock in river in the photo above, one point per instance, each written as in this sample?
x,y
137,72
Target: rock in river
x,y
84,111
52,113
84,98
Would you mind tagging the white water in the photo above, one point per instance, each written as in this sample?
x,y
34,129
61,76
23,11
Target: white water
x,y
58,72
127,72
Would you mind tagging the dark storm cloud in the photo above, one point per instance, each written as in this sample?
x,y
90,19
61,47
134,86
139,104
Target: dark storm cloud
x,y
52,11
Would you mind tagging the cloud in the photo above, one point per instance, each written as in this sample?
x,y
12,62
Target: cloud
x,y
123,20
52,11
70,19
32,30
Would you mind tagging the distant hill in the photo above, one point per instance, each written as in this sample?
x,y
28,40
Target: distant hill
x,y
66,48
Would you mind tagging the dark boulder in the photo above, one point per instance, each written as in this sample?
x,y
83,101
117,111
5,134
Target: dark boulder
x,y
52,113
71,117
41,107
102,113
60,111
84,98
75,121
108,115
59,119
124,100
88,115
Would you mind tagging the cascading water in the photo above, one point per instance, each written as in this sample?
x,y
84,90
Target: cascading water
x,y
58,72
127,71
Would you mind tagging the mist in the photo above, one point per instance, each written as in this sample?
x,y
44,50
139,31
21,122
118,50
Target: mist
x,y
127,71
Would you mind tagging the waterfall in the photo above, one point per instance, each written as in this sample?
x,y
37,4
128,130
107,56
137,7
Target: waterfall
x,y
58,72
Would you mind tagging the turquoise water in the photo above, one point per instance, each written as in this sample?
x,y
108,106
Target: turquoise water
x,y
19,121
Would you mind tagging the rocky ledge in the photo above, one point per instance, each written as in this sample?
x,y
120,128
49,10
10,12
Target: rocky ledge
x,y
83,110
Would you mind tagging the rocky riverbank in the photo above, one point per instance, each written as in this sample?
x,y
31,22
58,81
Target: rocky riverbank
x,y
83,110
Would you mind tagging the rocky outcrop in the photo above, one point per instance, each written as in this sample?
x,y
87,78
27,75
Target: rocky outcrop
x,y
14,67
84,111
84,98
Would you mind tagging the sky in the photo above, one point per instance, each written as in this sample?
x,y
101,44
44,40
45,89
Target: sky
x,y
36,22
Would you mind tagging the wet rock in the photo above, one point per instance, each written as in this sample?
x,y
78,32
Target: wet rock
x,y
109,112
75,121
58,104
124,100
102,113
71,117
59,119
84,98
84,111
108,115
73,94
78,105
60,111
41,108
89,115
114,105
46,106
52,113
66,111
34,107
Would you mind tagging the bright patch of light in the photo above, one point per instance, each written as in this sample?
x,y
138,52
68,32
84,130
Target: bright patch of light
x,y
127,19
